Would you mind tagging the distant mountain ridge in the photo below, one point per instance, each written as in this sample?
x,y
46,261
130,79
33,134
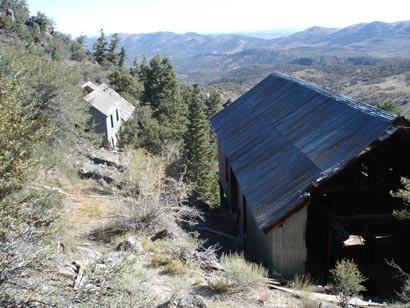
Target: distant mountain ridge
x,y
203,58
375,38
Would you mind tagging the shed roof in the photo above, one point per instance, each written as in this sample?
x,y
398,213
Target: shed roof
x,y
106,100
285,134
126,108
102,102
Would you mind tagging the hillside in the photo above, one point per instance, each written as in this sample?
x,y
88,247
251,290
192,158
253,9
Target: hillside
x,y
139,225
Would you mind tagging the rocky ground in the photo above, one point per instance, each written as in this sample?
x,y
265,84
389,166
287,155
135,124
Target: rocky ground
x,y
133,260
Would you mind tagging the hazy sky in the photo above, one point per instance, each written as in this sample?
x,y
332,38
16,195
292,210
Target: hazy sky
x,y
211,16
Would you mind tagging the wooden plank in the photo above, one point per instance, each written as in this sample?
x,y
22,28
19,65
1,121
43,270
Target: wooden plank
x,y
368,218
356,302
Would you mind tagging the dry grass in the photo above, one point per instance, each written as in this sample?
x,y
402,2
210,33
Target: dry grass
x,y
303,283
239,274
160,260
221,284
175,267
150,201
92,209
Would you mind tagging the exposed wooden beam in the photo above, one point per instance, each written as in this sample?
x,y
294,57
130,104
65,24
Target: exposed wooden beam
x,y
340,232
370,219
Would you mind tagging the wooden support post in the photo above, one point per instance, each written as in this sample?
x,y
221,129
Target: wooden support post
x,y
329,248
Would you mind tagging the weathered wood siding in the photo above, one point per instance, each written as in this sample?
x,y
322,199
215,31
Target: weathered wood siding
x,y
99,120
283,249
222,169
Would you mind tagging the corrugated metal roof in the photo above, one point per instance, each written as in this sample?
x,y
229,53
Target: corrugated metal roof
x,y
126,108
102,102
286,134
106,100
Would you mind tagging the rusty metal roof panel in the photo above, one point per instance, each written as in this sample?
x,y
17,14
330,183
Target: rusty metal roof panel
x,y
286,134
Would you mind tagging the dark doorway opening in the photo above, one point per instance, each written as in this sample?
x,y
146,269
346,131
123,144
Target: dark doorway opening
x,y
350,216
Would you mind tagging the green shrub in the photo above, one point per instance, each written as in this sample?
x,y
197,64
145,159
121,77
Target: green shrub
x,y
347,280
175,267
404,194
405,291
389,106
221,284
240,273
160,260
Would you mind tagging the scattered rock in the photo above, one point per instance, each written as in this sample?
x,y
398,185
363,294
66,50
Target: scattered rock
x,y
67,272
114,258
161,234
9,13
82,263
73,266
80,279
61,246
184,301
130,244
89,253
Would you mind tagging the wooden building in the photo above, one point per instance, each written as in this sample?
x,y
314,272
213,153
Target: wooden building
x,y
306,171
108,109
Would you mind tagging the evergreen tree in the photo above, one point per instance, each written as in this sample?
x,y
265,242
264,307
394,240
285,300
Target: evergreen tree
x,y
112,49
122,58
198,154
213,103
125,84
135,69
162,93
77,49
100,49
45,23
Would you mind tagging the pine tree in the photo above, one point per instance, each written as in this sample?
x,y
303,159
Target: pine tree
x,y
143,70
125,84
100,49
162,93
135,69
198,153
213,103
112,49
122,58
78,52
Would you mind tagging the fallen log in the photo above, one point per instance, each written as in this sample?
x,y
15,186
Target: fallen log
x,y
206,229
356,302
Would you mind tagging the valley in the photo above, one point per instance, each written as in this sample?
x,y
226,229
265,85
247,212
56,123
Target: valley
x,y
369,62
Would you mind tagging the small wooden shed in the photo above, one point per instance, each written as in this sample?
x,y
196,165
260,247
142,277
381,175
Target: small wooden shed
x,y
305,169
107,108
